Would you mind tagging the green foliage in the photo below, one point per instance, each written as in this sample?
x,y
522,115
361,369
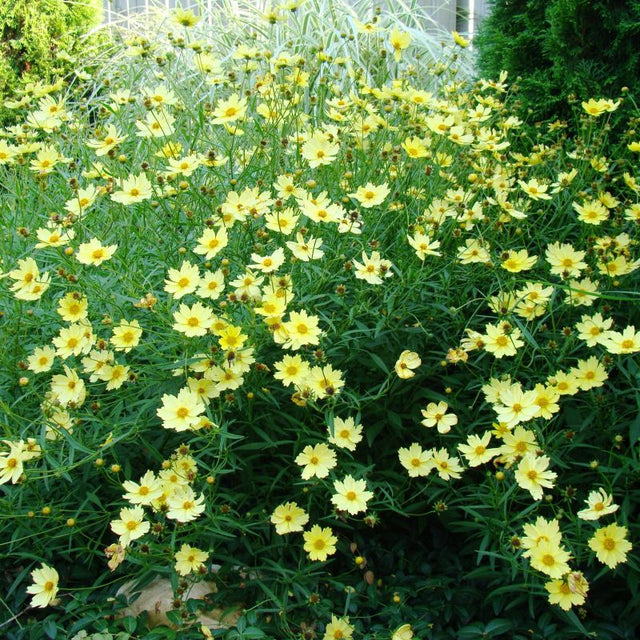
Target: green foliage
x,y
209,128
562,51
40,40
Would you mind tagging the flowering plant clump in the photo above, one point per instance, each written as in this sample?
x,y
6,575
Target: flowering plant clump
x,y
321,335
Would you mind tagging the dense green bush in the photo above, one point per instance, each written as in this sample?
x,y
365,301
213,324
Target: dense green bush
x,y
288,327
39,40
561,49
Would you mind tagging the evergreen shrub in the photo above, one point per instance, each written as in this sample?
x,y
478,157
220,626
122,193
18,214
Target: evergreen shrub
x,y
562,51
39,41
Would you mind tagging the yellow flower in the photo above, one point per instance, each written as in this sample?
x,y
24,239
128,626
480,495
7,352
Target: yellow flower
x,y
292,370
184,17
424,246
599,504
211,242
474,251
372,268
370,195
317,461
28,283
610,545
184,506
229,110
499,343
156,124
415,148
94,252
133,189
435,415
551,559
591,212
582,292
72,307
232,337
416,461
46,159
320,208
190,559
114,375
318,150
145,492
517,261
568,591
594,107
268,263
351,495
130,526
183,166
540,531
45,586
126,335
7,152
301,329
54,236
41,360
211,285
399,40
448,467
180,412
404,632
319,542
325,381
406,363
338,629
286,187
247,286
193,321
476,450
346,433
520,441
532,475
564,383
594,329
546,400
160,96
627,341
459,40
589,373
182,281
111,139
306,248
95,362
11,467
68,388
288,518
534,189
74,340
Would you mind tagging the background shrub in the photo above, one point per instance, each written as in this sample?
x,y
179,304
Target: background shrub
x,y
440,553
561,49
39,40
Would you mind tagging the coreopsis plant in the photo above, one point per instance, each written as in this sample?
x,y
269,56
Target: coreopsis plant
x,y
312,327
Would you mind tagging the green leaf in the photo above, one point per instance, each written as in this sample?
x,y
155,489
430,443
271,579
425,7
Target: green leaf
x,y
498,626
470,631
253,632
129,623
379,362
50,628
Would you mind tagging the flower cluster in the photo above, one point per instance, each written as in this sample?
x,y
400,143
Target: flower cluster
x,y
343,294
